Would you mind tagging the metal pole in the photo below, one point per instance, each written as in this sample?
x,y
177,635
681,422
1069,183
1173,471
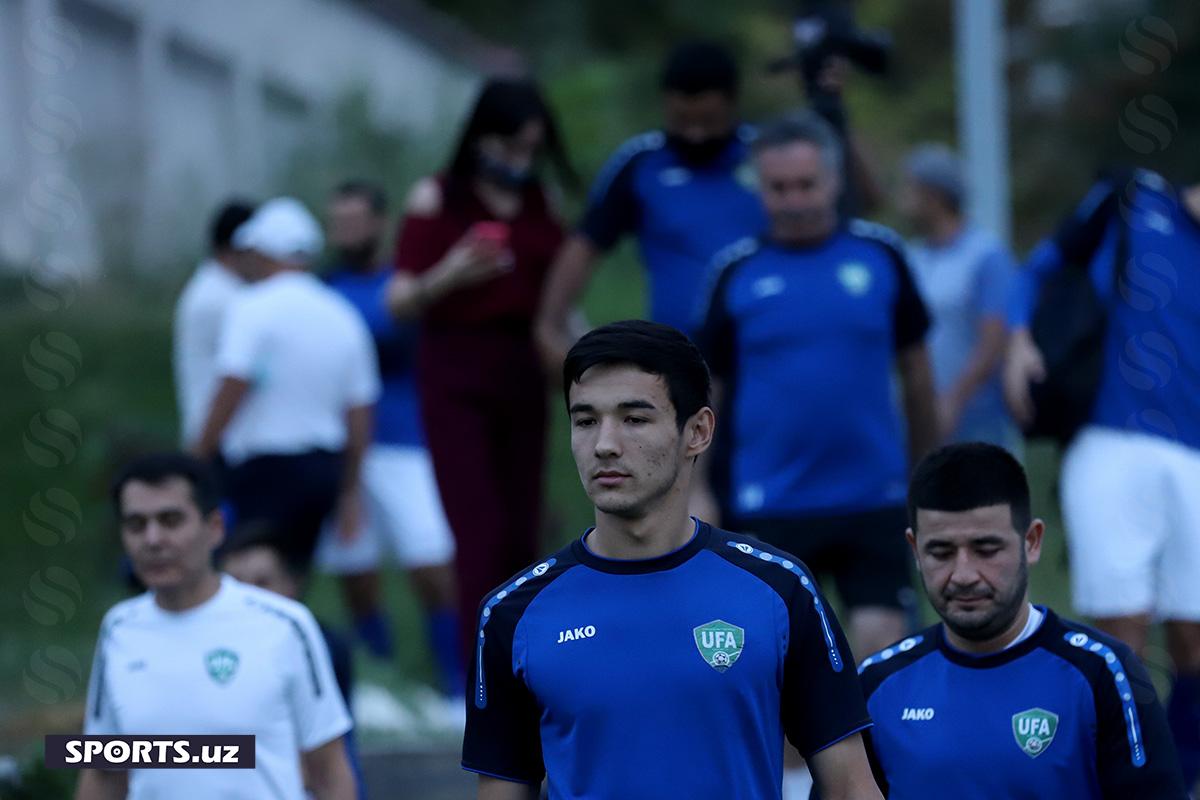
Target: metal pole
x,y
983,111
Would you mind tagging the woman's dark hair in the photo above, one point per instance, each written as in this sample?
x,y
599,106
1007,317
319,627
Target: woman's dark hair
x,y
962,477
505,105
158,468
651,347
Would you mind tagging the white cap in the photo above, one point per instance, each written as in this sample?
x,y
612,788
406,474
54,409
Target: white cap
x,y
282,229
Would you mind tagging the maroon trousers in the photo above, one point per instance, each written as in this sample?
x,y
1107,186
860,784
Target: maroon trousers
x,y
483,402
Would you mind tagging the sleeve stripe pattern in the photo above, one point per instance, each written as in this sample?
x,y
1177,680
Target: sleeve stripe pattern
x,y
480,684
835,657
653,140
888,652
102,665
295,624
1133,728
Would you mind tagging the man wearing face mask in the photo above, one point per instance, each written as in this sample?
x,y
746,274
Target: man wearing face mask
x,y
1003,698
685,192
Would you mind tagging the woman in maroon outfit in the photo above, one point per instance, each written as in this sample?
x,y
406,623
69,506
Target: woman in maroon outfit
x,y
475,245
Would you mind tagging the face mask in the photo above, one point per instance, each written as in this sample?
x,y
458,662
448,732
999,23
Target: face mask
x,y
503,175
700,152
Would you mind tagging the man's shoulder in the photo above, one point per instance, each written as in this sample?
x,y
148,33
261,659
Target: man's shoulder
x,y
1096,654
510,599
779,569
896,657
876,234
209,286
637,146
124,611
268,611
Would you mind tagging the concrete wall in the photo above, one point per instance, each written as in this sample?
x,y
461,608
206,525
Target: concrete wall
x,y
123,121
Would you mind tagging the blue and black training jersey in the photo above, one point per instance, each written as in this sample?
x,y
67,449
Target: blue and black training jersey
x,y
1151,377
805,340
681,213
1068,713
677,676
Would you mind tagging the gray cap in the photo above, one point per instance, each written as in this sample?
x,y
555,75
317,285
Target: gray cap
x,y
937,167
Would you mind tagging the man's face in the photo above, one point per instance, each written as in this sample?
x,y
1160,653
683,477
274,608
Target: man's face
x,y
164,534
917,204
699,124
799,191
628,449
262,566
354,227
975,567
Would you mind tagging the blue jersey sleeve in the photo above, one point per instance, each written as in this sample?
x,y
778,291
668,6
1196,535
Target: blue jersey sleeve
x,y
613,209
822,698
995,283
502,738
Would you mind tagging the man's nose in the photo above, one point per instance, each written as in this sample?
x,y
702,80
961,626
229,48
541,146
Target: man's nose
x,y
608,440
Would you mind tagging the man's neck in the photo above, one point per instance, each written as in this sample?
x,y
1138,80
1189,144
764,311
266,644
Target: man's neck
x,y
660,531
994,644
182,598
944,229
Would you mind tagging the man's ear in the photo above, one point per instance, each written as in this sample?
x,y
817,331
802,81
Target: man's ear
x,y
911,536
1032,541
698,431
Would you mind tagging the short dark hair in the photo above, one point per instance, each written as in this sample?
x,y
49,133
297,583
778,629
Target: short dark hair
x,y
228,218
251,537
962,477
802,126
370,191
652,347
696,67
158,468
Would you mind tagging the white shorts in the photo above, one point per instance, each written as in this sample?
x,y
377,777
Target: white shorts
x,y
1131,504
403,513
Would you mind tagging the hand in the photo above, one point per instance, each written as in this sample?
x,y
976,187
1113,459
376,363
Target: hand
x,y
1023,366
349,515
472,260
702,504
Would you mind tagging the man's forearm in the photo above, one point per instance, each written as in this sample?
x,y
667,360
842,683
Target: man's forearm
x,y
359,423
565,285
984,361
497,789
98,784
230,394
920,410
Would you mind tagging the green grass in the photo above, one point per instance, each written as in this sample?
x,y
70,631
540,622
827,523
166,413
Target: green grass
x,y
119,391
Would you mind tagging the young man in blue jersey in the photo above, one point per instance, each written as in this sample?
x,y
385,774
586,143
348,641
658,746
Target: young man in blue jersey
x,y
684,192
657,656
404,516
804,330
1004,698
1131,476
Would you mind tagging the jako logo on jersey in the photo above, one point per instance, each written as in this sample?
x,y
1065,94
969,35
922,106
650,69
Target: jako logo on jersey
x,y
919,714
1034,730
855,278
221,664
571,634
720,643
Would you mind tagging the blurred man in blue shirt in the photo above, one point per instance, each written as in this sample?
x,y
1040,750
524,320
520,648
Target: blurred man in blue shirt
x,y
803,331
403,511
684,191
964,275
1130,477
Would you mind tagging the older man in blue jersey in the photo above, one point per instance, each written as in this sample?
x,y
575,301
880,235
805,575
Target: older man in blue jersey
x,y
1003,698
657,656
804,330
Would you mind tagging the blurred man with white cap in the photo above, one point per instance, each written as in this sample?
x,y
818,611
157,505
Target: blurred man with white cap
x,y
292,414
963,273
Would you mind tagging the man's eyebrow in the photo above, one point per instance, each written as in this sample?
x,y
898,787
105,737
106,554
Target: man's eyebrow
x,y
587,408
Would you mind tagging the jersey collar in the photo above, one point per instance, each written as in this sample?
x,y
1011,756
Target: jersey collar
x,y
964,659
620,566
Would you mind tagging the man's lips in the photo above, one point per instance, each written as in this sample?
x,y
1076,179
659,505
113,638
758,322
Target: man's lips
x,y
609,477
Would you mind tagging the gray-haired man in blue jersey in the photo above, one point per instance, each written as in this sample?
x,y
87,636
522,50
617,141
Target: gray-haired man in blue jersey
x,y
1005,699
657,656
